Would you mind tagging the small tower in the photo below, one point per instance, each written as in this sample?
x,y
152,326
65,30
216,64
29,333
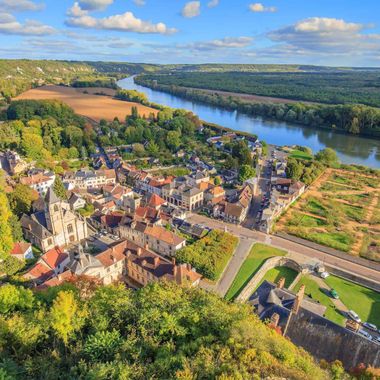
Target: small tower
x,y
53,212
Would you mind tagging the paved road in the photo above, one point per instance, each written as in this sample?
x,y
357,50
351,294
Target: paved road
x,y
289,246
233,266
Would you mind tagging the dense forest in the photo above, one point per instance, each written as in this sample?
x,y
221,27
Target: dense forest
x,y
80,330
332,87
354,119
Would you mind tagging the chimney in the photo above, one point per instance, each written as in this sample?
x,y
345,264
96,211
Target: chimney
x,y
275,319
156,261
173,260
146,246
281,283
175,270
143,263
59,277
139,251
113,257
298,300
188,267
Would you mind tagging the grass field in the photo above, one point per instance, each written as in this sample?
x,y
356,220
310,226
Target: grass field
x,y
363,301
274,275
259,253
299,154
313,290
341,211
95,107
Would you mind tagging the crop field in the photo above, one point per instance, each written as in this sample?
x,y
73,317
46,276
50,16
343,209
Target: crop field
x,y
341,210
85,102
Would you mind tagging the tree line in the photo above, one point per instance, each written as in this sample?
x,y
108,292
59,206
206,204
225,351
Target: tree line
x,y
349,118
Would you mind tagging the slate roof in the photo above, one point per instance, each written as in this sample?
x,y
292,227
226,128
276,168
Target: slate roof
x,y
51,197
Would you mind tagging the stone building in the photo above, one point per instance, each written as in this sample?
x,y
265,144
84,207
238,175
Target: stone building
x,y
55,225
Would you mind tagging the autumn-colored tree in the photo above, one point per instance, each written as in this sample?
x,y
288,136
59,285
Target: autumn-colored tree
x,y
6,241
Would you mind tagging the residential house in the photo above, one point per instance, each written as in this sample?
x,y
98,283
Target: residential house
x,y
55,225
85,179
39,182
15,163
76,202
157,238
22,251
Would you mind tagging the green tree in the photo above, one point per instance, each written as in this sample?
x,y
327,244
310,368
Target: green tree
x,y
66,316
15,225
6,241
21,199
15,298
59,188
103,345
327,156
294,169
246,172
11,265
173,139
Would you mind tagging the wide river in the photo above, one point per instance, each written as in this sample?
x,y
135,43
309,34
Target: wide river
x,y
350,149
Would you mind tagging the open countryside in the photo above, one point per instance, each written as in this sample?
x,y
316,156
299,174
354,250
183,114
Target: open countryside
x,y
85,102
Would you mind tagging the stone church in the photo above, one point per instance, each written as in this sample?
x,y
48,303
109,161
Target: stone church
x,y
54,224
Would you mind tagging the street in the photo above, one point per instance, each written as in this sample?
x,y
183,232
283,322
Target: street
x,y
289,246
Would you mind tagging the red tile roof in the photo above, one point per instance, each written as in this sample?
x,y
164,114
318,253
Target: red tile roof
x,y
155,201
161,233
54,257
40,272
20,248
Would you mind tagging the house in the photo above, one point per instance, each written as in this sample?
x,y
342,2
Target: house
x,y
181,194
55,225
154,185
123,261
22,251
51,264
39,182
157,238
76,202
15,163
84,179
280,169
214,195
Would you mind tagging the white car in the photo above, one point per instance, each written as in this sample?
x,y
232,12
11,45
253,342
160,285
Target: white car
x,y
365,334
370,326
354,316
324,275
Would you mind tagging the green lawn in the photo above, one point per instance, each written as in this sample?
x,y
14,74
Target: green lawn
x,y
363,301
313,290
299,154
259,253
274,275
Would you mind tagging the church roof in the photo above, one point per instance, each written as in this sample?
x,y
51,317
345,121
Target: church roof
x,y
51,197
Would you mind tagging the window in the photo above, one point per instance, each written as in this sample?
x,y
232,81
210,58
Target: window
x,y
70,229
55,208
50,242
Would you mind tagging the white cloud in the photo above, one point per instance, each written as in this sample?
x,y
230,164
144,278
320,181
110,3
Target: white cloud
x,y
227,42
191,9
20,5
125,22
259,7
94,5
140,3
319,35
213,3
9,25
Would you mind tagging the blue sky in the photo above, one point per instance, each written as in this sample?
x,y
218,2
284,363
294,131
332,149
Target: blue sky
x,y
328,32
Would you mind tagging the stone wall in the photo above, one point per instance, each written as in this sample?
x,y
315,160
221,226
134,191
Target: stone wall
x,y
273,262
327,340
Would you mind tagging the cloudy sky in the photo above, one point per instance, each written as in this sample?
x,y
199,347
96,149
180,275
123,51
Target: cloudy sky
x,y
329,32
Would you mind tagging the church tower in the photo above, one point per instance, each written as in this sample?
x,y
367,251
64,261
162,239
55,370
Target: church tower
x,y
53,212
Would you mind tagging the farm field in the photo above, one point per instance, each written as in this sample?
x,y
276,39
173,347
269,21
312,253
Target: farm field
x,y
340,210
258,255
88,104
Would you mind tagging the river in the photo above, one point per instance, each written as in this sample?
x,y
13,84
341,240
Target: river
x,y
350,149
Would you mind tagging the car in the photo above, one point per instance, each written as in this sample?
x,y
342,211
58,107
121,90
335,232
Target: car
x,y
377,339
365,334
324,274
354,316
370,326
334,294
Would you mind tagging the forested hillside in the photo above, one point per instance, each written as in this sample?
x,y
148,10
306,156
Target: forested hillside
x,y
162,331
17,76
324,86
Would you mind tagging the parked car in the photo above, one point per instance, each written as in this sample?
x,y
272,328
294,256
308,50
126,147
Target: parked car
x,y
324,274
334,294
370,326
354,316
365,334
377,339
